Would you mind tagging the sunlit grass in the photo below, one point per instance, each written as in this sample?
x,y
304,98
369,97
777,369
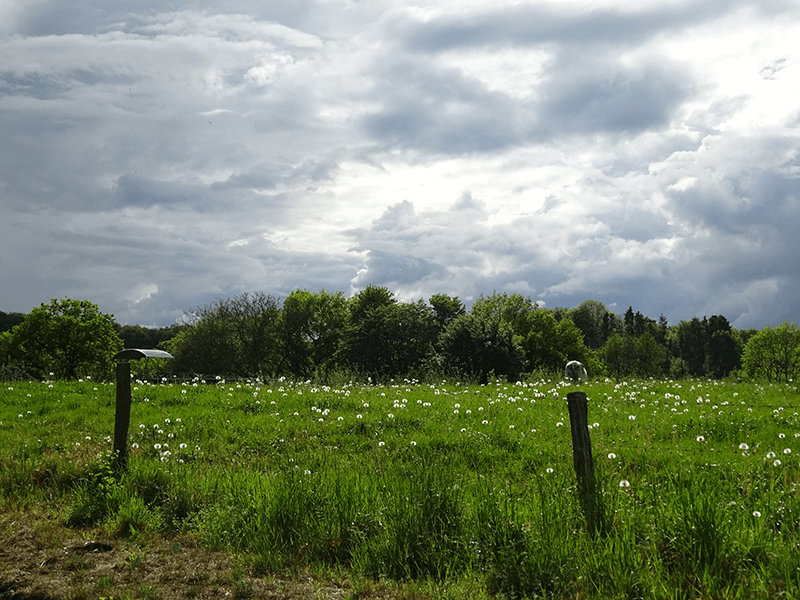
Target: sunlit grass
x,y
442,482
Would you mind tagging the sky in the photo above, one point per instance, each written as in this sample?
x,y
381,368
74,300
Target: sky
x,y
158,156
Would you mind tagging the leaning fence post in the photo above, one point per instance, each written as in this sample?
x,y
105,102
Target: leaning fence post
x,y
122,414
582,459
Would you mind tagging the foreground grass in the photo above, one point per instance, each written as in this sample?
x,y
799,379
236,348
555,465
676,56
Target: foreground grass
x,y
426,490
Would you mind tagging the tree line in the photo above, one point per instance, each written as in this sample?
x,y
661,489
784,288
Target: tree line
x,y
373,335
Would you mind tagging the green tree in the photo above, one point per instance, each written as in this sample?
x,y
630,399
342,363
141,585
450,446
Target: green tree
x,y
619,355
446,309
66,338
541,348
489,338
9,320
651,356
476,345
136,336
387,338
723,349
236,336
773,354
691,338
311,327
626,356
595,321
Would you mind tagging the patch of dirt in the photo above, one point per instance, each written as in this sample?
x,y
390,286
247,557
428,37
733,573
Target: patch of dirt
x,y
41,559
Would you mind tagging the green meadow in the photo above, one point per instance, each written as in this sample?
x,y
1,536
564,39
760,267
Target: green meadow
x,y
442,486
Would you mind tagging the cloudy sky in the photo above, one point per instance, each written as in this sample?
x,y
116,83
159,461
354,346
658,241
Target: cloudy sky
x,y
159,155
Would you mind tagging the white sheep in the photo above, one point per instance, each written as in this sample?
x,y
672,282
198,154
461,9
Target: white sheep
x,y
575,371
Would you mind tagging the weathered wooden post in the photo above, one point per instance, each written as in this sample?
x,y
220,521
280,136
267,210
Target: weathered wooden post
x,y
122,416
582,459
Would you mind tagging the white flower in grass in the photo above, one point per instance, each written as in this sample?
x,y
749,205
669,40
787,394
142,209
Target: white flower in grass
x,y
157,446
183,446
700,438
381,444
413,443
632,417
770,455
549,469
134,445
787,450
776,463
595,424
756,514
612,456
781,435
624,483
484,422
358,416
744,446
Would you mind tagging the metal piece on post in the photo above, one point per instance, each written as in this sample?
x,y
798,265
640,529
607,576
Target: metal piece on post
x,y
122,416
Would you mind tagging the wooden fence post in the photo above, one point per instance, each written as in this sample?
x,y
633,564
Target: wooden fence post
x,y
122,415
582,459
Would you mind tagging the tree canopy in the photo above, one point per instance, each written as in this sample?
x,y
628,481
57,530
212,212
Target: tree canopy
x,y
65,339
374,334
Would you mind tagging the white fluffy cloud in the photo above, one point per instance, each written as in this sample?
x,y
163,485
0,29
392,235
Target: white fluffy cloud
x,y
155,159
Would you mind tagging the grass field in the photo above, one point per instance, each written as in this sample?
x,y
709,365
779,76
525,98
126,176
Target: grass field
x,y
410,490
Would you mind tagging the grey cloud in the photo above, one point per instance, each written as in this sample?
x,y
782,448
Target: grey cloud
x,y
440,110
595,97
273,175
541,23
52,17
135,190
392,270
444,111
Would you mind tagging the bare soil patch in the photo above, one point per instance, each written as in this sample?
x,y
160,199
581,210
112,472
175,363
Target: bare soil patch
x,y
41,559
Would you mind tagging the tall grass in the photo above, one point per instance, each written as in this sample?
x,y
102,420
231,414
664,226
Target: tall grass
x,y
697,481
